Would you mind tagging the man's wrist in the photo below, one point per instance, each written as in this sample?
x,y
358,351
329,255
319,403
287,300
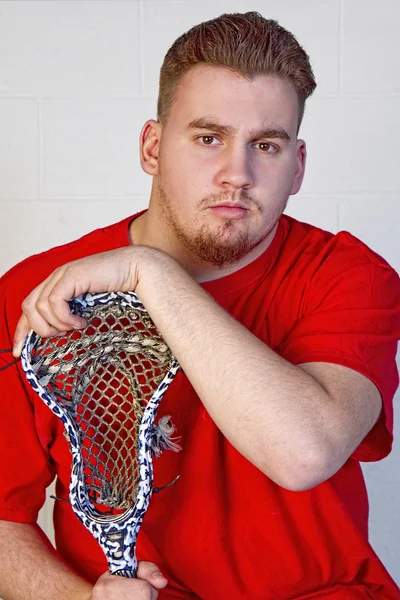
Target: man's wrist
x,y
153,267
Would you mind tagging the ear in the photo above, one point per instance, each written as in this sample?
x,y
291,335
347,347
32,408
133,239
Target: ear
x,y
150,137
301,156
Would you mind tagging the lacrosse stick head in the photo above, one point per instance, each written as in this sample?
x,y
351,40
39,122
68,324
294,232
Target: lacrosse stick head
x,y
105,383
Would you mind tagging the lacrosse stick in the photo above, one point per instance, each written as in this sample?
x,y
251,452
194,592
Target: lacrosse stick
x,y
105,383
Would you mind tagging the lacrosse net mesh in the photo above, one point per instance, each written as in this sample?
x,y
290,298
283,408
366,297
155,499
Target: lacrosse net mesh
x,y
105,375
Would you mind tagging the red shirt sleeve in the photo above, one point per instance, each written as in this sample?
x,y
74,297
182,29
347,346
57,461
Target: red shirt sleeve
x,y
352,318
25,471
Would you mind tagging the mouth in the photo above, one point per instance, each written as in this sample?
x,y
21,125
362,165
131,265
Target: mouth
x,y
230,211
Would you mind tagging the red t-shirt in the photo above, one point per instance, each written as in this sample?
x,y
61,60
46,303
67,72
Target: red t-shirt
x,y
224,529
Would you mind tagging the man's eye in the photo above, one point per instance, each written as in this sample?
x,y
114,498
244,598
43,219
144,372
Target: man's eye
x,y
267,147
206,140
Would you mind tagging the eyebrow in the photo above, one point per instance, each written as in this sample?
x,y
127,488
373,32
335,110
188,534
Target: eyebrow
x,y
211,125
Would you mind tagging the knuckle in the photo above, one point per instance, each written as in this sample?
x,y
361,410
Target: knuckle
x,y
69,267
26,305
41,304
52,300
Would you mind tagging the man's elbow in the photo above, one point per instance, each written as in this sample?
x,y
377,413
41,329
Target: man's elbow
x,y
303,473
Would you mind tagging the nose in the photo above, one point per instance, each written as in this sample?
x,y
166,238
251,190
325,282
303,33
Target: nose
x,y
235,169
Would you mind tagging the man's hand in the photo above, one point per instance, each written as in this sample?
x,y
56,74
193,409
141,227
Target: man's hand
x,y
112,587
46,309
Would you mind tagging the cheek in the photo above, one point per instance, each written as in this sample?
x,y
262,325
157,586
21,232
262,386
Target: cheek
x,y
180,183
280,173
193,176
178,163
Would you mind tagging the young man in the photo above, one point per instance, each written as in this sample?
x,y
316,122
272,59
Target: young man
x,y
286,335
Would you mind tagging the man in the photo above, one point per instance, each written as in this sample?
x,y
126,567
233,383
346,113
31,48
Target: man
x,y
286,335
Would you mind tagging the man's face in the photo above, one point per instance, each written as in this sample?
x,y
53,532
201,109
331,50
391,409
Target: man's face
x,y
228,160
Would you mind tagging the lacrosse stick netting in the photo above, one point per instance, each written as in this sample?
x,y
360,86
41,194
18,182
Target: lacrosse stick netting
x,y
105,383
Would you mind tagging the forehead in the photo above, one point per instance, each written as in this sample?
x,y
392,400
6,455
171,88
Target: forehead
x,y
224,94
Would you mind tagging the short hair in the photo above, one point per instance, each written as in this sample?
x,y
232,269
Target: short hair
x,y
248,44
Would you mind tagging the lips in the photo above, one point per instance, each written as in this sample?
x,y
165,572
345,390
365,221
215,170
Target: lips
x,y
230,205
229,211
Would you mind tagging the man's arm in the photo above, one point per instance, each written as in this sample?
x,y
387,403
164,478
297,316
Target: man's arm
x,y
296,424
31,569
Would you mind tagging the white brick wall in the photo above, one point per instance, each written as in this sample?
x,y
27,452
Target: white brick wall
x,y
78,79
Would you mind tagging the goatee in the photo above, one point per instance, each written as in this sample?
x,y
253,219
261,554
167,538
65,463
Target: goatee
x,y
219,248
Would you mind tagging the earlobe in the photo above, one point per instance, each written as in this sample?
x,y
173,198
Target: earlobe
x,y
149,146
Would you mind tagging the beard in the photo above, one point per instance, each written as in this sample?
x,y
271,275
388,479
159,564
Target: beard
x,y
218,248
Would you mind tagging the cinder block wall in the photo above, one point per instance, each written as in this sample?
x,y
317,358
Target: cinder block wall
x,y
79,78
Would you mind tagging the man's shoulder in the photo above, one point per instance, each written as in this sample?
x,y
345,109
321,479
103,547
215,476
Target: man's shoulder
x,y
328,249
337,267
21,279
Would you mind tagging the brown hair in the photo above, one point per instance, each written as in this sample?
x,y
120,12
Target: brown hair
x,y
246,43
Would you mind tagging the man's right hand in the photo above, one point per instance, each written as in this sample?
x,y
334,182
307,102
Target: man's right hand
x,y
144,587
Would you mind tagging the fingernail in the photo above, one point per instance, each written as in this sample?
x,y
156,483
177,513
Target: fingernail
x,y
158,575
17,349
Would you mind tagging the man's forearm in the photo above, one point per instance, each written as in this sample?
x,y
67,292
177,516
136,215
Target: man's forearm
x,y
266,407
30,568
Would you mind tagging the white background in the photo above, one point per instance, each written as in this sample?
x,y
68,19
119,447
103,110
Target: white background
x,y
79,78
